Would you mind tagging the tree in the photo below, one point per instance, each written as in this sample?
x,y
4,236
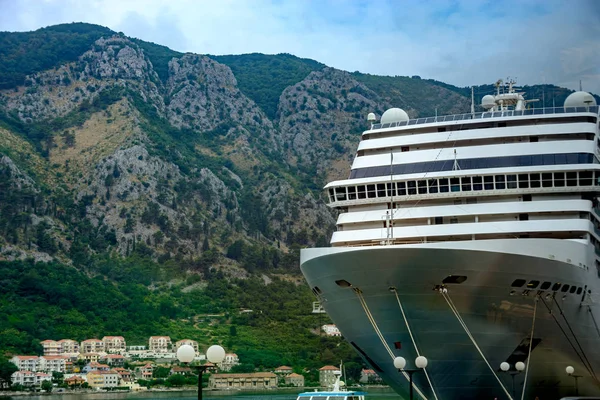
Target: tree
x,y
6,370
47,386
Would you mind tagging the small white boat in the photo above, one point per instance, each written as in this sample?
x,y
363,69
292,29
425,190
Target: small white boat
x,y
337,393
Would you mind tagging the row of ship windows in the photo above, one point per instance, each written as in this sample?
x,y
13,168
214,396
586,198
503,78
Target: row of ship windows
x,y
546,285
474,163
465,184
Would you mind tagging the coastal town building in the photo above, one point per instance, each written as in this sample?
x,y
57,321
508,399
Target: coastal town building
x,y
230,360
95,366
92,346
189,342
89,357
327,375
103,379
114,360
369,376
68,346
114,344
74,381
284,369
160,344
26,363
294,379
51,347
29,378
145,372
125,374
331,330
53,363
180,371
255,380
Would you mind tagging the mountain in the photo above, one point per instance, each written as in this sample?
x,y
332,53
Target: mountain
x,y
142,189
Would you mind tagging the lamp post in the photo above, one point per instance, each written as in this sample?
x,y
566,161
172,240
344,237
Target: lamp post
x,y
400,363
519,367
571,371
186,353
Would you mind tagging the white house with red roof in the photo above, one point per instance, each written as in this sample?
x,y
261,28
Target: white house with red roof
x,y
331,330
92,346
114,344
160,344
53,363
328,375
26,363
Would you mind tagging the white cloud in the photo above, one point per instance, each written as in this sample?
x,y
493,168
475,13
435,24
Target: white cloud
x,y
463,43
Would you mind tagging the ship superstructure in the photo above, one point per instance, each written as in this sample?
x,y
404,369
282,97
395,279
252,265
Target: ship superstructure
x,y
459,235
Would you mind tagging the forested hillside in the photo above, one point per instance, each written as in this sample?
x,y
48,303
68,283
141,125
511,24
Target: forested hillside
x,y
142,189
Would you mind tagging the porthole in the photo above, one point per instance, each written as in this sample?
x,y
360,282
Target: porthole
x,y
573,289
556,286
579,290
545,285
565,288
518,283
343,283
533,284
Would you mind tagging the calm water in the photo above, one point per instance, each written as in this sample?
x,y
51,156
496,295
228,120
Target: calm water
x,y
376,394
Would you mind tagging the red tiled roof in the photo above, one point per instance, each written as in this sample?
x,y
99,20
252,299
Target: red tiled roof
x,y
113,337
48,341
113,356
329,368
294,375
27,357
54,357
91,341
284,367
160,337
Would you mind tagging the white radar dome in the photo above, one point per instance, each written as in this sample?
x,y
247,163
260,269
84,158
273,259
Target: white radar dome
x,y
488,101
394,115
580,99
371,117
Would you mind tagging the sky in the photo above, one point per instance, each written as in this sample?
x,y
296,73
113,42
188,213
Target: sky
x,y
464,43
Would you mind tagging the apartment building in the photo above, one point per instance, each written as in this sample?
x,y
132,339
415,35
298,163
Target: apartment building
x,y
294,379
114,360
26,363
229,361
92,346
51,347
53,363
255,380
29,378
189,342
160,344
103,379
331,330
68,346
328,375
114,344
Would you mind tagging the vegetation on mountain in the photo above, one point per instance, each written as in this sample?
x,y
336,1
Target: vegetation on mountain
x,y
23,53
263,77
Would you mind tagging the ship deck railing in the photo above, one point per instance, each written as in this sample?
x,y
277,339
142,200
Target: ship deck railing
x,y
489,114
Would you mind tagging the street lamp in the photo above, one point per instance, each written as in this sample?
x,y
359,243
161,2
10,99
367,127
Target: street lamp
x,y
570,371
519,367
400,363
215,354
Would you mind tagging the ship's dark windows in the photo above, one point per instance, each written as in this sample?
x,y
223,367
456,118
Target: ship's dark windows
x,y
547,180
442,129
391,189
438,220
343,283
466,183
371,191
488,182
444,185
518,283
565,288
404,148
340,193
545,285
361,192
523,181
511,181
533,284
351,192
559,179
533,138
585,178
454,184
573,289
523,217
556,286
454,279
433,186
500,184
316,291
534,180
412,187
454,220
331,197
402,188
477,183
579,290
381,190
571,178
422,187
526,197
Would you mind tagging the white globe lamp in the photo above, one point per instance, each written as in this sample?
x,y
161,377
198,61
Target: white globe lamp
x,y
505,366
186,353
520,366
399,362
570,370
421,362
215,354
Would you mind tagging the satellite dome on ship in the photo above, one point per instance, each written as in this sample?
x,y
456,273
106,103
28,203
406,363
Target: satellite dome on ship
x,y
580,99
394,115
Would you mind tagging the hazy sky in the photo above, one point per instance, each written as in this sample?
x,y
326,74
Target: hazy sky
x,y
459,42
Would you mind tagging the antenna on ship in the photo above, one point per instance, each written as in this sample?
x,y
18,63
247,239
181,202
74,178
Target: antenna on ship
x,y
371,118
472,101
455,166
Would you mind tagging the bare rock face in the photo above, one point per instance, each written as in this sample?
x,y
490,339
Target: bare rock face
x,y
116,58
15,178
331,103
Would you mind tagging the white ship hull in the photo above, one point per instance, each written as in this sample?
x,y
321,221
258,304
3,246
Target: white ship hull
x,y
499,321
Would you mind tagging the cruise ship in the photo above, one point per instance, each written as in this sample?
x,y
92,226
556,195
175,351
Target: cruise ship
x,y
472,240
